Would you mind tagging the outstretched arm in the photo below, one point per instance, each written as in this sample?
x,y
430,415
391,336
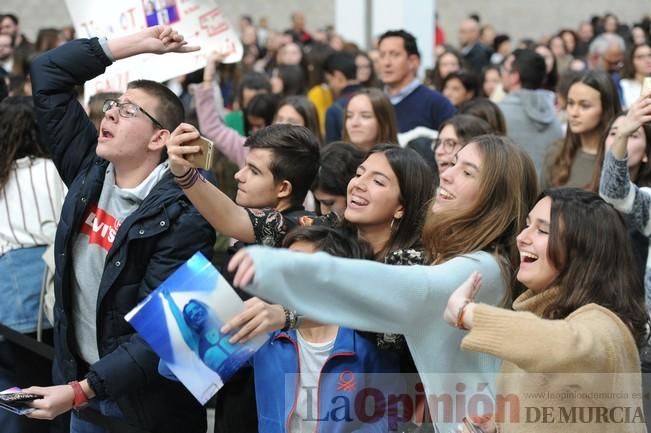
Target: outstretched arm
x,y
361,294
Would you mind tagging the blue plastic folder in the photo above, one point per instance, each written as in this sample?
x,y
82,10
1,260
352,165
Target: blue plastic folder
x,y
181,321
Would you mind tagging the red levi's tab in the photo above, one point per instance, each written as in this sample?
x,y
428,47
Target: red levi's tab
x,y
100,227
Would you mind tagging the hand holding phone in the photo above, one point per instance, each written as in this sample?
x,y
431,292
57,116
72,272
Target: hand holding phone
x,y
203,158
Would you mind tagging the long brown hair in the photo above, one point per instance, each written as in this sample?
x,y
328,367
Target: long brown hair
x,y
559,171
19,134
384,113
508,189
590,246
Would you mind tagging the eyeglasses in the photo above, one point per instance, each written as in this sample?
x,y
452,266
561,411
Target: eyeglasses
x,y
448,145
128,109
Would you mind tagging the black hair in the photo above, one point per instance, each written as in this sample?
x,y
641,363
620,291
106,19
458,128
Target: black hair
x,y
19,134
408,40
486,110
334,241
263,105
295,156
338,164
293,79
530,66
468,79
343,62
499,40
254,81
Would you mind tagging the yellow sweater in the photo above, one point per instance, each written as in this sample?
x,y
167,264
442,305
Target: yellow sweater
x,y
579,374
321,97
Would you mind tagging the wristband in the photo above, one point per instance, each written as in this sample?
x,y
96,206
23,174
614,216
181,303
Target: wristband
x,y
81,399
288,320
462,312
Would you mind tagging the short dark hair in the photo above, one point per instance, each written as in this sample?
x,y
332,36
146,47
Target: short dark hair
x,y
334,241
169,109
408,40
343,62
468,79
295,152
12,17
263,105
254,81
487,110
338,164
293,78
531,67
499,40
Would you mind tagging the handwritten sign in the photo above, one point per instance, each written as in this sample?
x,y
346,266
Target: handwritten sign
x,y
201,22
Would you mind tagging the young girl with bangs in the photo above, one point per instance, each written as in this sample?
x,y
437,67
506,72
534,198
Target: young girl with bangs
x,y
471,225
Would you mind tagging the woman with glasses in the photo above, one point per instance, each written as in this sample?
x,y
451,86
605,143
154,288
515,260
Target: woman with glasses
x,y
454,134
592,104
637,66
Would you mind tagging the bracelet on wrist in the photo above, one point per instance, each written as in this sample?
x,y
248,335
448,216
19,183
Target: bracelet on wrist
x,y
184,174
462,311
288,320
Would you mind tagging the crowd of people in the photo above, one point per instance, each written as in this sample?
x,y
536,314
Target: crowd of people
x,y
485,227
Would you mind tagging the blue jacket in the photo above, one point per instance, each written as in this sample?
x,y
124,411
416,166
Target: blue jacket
x,y
275,367
150,244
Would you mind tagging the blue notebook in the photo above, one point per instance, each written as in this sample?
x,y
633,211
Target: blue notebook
x,y
181,321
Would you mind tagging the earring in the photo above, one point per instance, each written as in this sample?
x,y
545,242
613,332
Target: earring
x,y
393,221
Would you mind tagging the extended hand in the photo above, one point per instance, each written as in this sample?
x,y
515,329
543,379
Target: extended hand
x,y
164,39
464,293
638,114
56,400
259,317
242,265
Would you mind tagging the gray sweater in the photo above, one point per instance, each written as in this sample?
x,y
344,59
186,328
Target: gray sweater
x,y
531,122
617,189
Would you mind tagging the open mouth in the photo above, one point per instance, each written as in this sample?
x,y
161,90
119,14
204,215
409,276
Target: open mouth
x,y
526,257
358,201
445,195
105,134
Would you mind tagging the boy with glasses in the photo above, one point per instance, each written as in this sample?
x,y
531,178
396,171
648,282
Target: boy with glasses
x,y
125,227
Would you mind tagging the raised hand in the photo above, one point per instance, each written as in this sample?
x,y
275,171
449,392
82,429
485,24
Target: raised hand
x,y
155,40
176,150
638,114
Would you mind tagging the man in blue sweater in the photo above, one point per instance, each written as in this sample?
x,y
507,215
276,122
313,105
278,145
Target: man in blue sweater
x,y
415,104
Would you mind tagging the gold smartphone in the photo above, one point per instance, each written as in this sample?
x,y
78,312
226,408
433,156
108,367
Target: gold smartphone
x,y
203,158
646,86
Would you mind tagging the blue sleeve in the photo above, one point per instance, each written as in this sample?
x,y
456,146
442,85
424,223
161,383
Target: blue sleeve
x,y
333,123
64,125
367,295
442,110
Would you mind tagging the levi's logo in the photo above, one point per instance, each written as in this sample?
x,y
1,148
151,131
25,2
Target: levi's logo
x,y
100,227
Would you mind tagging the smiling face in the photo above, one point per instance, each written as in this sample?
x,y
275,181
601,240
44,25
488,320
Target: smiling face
x,y
456,92
460,182
374,194
256,187
536,271
360,123
448,145
583,108
123,139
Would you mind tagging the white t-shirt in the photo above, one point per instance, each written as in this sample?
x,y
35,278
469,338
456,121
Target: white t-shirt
x,y
313,357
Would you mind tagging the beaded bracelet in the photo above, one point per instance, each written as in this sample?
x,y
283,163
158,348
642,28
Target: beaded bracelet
x,y
289,319
462,312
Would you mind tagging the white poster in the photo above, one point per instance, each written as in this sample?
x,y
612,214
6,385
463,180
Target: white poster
x,y
201,22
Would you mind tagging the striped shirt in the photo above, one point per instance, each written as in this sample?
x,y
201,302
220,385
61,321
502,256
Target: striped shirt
x,y
30,204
